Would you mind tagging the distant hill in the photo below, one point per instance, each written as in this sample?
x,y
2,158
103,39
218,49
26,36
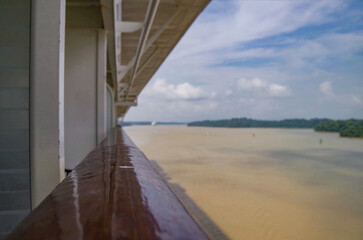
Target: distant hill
x,y
346,128
146,123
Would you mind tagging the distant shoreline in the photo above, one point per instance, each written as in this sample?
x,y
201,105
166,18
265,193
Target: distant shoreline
x,y
346,128
149,123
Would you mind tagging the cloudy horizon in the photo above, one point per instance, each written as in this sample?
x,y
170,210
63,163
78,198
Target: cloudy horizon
x,y
263,60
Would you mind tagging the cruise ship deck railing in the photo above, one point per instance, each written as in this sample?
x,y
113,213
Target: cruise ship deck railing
x,y
114,193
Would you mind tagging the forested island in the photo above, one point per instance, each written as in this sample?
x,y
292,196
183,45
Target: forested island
x,y
346,128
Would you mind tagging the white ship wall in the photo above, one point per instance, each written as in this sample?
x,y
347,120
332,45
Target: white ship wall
x,y
85,93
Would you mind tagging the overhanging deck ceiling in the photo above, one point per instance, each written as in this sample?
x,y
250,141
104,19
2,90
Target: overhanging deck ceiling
x,y
172,18
141,34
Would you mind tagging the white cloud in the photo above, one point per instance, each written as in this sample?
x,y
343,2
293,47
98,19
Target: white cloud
x,y
258,85
268,18
182,91
221,46
299,54
228,92
326,88
277,90
196,108
255,83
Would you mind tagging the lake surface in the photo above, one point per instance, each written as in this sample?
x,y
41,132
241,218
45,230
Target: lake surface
x,y
262,183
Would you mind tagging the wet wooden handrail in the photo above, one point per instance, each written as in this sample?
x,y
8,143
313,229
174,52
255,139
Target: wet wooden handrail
x,y
114,193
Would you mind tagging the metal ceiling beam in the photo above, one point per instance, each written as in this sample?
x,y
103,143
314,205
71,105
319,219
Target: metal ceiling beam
x,y
125,91
149,19
125,68
117,35
108,21
119,28
128,27
126,103
161,29
83,4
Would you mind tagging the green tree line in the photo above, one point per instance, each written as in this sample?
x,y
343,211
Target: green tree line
x,y
248,123
346,128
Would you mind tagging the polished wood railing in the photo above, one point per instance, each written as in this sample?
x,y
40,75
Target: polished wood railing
x,y
114,193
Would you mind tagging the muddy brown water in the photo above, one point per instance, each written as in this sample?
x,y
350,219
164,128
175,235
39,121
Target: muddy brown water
x,y
261,183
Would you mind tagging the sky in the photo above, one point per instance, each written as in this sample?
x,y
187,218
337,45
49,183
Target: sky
x,y
272,59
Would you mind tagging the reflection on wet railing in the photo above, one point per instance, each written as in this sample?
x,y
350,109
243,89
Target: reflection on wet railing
x,y
75,196
114,193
